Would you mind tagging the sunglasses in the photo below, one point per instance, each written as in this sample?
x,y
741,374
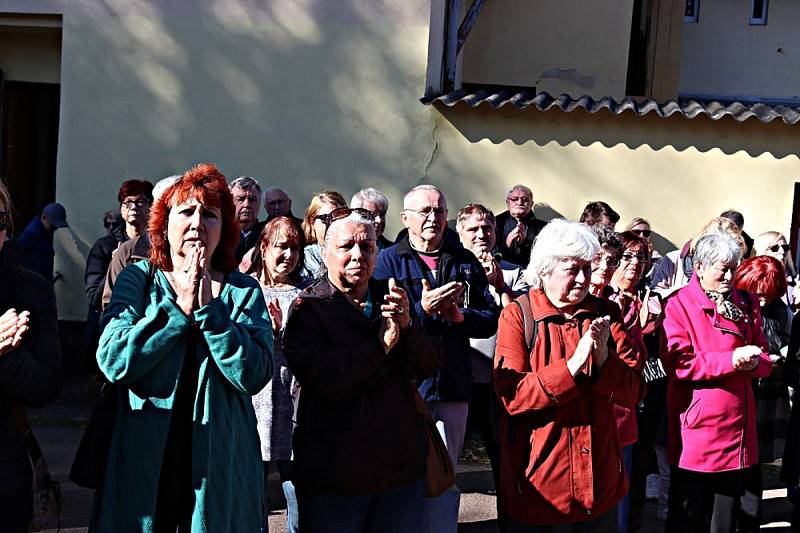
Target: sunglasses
x,y
344,212
5,220
775,247
642,232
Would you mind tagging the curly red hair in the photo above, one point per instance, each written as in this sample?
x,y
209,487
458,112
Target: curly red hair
x,y
206,183
762,275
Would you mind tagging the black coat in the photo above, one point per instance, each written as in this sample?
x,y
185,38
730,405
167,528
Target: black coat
x,y
358,429
29,375
96,269
518,253
790,472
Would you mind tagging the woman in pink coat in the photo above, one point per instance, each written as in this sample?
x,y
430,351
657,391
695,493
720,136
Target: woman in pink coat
x,y
715,346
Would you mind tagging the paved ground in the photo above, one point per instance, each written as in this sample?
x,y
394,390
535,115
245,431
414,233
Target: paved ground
x,y
59,428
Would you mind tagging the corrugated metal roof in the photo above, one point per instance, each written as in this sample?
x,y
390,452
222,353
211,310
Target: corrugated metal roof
x,y
543,101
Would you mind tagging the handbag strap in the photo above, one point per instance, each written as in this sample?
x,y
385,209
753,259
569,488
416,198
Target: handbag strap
x,y
530,325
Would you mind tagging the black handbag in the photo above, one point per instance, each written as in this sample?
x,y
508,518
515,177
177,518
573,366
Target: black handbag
x,y
89,466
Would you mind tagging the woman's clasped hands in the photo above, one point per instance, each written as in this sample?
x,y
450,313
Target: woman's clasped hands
x,y
13,327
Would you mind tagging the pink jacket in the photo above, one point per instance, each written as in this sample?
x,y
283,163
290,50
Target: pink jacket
x,y
711,411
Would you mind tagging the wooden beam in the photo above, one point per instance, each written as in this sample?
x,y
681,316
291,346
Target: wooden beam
x,y
451,43
435,75
469,22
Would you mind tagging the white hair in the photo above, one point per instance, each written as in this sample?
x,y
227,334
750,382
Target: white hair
x,y
559,240
369,194
162,185
717,246
352,218
424,187
520,187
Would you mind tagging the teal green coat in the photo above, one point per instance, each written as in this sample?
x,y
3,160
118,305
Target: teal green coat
x,y
142,350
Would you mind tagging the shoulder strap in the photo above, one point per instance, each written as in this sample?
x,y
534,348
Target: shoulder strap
x,y
523,301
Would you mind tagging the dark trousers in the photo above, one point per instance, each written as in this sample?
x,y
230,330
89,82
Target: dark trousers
x,y
643,459
397,510
718,502
484,417
16,512
606,523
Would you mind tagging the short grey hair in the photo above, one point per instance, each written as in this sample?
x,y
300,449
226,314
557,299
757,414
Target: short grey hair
x,y
715,247
370,194
424,187
164,184
559,240
352,218
246,183
520,187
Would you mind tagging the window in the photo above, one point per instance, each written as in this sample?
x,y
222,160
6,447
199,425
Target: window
x,y
691,12
758,12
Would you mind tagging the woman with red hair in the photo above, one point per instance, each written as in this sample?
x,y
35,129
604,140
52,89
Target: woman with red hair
x,y
765,277
188,341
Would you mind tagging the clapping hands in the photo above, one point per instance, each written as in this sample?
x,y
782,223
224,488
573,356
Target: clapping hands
x,y
13,327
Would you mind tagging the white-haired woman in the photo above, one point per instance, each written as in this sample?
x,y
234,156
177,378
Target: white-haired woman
x,y
376,203
561,461
715,347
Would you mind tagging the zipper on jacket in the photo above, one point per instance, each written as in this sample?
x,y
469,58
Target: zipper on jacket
x,y
747,385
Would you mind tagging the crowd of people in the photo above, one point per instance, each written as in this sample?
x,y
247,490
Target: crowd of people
x,y
597,373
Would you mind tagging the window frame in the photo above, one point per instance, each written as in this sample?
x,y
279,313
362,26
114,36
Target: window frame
x,y
762,20
694,18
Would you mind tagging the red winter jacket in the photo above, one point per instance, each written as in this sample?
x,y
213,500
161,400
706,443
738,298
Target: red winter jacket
x,y
711,411
561,460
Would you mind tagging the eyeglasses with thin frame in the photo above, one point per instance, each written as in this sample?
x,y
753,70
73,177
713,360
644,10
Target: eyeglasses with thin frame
x,y
425,212
611,262
344,212
642,232
5,220
524,200
776,247
135,203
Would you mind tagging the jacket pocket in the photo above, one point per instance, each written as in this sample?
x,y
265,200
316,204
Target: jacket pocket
x,y
691,417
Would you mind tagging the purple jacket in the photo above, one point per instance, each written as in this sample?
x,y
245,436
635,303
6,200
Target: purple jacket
x,y
711,411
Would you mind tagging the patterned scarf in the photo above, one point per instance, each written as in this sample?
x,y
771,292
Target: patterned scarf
x,y
725,307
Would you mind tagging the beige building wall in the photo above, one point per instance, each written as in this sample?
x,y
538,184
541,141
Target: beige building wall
x,y
311,95
524,43
723,55
675,172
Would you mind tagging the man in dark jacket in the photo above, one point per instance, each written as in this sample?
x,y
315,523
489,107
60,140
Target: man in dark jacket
x,y
517,227
360,445
246,194
35,243
449,293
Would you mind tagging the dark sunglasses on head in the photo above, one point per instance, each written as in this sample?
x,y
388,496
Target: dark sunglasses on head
x,y
642,232
5,220
344,212
775,247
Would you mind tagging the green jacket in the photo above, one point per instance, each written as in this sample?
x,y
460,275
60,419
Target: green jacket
x,y
142,350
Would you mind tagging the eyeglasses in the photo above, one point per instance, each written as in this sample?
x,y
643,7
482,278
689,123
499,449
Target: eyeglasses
x,y
426,211
630,257
524,200
642,232
5,220
611,262
135,203
344,212
277,202
775,247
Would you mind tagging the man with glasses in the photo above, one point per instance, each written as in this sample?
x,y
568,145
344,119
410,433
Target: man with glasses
x,y
517,227
278,204
246,194
448,292
376,202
